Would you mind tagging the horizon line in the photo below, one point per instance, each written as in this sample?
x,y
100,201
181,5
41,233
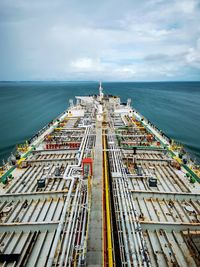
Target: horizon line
x,y
97,81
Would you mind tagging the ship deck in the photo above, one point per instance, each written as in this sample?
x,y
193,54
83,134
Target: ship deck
x,y
139,206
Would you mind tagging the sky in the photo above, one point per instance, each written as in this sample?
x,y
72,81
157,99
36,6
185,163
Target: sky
x,y
112,40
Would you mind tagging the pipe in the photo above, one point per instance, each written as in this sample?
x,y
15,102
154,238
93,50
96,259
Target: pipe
x,y
70,226
108,218
60,225
133,227
82,146
66,176
83,237
78,240
126,236
126,205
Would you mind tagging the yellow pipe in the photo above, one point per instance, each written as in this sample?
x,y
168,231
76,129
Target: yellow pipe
x,y
108,219
103,243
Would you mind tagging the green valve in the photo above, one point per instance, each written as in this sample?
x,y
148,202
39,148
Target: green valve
x,y
192,180
4,180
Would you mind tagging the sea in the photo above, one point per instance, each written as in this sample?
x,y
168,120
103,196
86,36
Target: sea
x,y
25,107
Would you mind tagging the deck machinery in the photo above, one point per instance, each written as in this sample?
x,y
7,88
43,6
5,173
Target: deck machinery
x,y
100,186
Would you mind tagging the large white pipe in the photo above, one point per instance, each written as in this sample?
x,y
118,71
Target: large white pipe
x,y
124,228
61,223
70,227
127,204
67,202
82,146
83,238
135,225
79,229
135,231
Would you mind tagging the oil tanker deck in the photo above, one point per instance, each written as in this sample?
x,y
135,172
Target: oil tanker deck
x,y
100,186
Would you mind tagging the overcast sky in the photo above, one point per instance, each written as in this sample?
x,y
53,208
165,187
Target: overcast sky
x,y
132,40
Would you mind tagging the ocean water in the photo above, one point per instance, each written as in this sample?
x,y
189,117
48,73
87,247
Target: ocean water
x,y
25,107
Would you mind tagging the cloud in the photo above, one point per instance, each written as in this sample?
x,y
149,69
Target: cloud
x,y
87,65
74,39
193,55
187,6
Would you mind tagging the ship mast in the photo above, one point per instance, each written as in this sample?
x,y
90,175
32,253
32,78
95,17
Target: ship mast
x,y
100,91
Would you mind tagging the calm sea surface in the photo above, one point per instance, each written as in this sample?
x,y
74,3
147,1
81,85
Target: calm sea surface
x,y
26,107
